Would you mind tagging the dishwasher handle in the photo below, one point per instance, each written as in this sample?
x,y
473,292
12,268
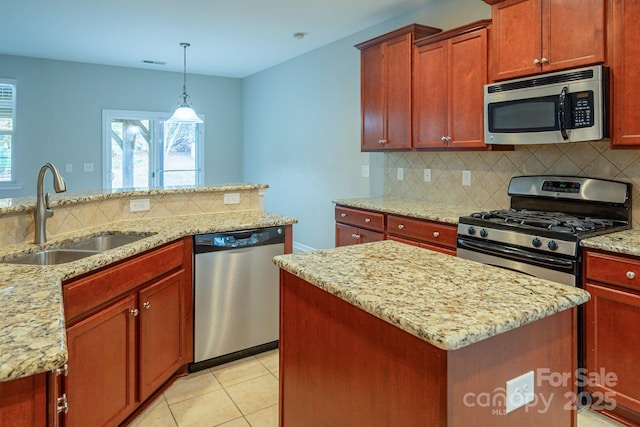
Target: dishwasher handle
x,y
238,239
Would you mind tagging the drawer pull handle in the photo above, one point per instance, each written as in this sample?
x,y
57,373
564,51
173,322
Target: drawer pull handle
x,y
631,275
367,220
343,215
355,236
400,226
436,234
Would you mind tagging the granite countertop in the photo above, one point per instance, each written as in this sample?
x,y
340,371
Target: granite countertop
x,y
411,208
625,242
446,301
32,328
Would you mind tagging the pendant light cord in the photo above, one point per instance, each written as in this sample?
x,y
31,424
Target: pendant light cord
x,y
184,85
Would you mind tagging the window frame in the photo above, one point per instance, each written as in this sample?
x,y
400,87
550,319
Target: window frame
x,y
11,184
108,115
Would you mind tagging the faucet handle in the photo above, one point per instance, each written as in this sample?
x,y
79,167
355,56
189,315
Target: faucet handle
x,y
46,200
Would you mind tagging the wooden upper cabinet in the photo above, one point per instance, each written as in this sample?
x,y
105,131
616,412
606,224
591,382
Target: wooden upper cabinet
x,y
450,71
386,88
540,36
624,75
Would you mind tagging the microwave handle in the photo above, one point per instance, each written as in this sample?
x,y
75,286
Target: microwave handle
x,y
562,104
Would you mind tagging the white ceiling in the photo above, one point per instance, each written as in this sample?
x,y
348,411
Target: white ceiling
x,y
232,38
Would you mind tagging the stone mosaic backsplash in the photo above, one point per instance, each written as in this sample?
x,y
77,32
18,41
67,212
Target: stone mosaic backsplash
x,y
18,227
491,172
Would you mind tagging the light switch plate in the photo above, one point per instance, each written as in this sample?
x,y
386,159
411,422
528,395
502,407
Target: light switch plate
x,y
139,205
427,175
466,177
231,198
68,168
400,174
520,391
88,167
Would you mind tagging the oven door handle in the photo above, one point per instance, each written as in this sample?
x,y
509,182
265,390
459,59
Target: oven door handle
x,y
493,249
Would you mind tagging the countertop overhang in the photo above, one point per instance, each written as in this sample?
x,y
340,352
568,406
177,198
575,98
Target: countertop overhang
x,y
448,302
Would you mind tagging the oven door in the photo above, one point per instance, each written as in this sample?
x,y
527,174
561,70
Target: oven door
x,y
555,268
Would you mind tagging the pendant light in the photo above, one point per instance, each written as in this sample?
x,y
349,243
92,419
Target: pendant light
x,y
184,113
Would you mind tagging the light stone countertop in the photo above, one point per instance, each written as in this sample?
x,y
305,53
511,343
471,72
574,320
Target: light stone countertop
x,y
446,301
625,242
32,328
411,208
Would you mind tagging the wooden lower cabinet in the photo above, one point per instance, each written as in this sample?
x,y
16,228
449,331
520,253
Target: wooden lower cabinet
x,y
23,402
350,235
123,350
611,339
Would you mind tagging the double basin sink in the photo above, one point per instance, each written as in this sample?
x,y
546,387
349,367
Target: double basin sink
x,y
76,250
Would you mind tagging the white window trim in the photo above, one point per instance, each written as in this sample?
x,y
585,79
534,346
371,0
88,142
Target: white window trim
x,y
108,115
13,184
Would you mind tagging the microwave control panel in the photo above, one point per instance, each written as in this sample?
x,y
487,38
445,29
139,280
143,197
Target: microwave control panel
x,y
582,109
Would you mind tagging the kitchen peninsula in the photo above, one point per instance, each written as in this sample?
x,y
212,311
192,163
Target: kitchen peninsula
x,y
386,333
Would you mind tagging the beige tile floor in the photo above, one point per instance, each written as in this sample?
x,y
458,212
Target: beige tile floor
x,y
241,394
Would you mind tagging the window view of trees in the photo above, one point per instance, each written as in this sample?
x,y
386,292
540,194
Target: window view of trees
x,y
7,104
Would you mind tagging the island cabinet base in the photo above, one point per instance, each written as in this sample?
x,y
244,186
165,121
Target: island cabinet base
x,y
340,365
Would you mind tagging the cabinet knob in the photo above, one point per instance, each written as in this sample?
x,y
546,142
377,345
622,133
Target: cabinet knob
x,y
64,370
631,275
382,141
343,215
367,220
436,234
147,304
134,312
355,236
444,139
544,61
400,226
536,61
62,404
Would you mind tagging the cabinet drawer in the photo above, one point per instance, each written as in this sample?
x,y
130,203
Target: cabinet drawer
x,y
427,231
86,293
360,218
612,269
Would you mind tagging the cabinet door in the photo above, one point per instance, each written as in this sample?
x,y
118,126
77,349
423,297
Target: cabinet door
x,y
345,235
163,329
625,78
467,77
100,386
23,402
398,63
373,84
367,236
612,345
516,38
573,33
430,96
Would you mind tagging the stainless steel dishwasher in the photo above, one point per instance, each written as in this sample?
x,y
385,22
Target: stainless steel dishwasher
x,y
236,295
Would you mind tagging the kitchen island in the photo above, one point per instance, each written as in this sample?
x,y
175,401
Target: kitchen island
x,y
385,334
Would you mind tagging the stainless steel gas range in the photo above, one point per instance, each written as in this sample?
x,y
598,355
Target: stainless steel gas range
x,y
541,232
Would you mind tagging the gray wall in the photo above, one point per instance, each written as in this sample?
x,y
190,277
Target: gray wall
x,y
59,116
302,125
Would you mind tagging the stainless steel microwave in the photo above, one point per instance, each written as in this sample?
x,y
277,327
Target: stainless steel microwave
x,y
566,106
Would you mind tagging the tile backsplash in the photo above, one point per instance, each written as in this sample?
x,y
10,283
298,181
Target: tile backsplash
x,y
491,172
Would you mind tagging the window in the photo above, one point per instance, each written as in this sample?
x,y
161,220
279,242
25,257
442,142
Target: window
x,y
7,129
141,150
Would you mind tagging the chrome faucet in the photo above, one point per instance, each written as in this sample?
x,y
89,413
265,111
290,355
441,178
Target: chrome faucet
x,y
43,211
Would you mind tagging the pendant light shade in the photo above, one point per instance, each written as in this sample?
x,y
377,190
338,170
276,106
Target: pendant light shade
x,y
184,113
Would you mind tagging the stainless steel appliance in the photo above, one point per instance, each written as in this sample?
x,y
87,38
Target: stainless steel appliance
x,y
549,215
236,295
566,106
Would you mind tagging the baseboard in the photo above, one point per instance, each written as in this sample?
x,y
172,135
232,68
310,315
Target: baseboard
x,y
299,247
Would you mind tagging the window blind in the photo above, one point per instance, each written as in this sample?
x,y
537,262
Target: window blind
x,y
7,102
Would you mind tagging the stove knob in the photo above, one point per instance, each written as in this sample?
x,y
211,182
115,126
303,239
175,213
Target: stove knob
x,y
471,231
536,242
483,233
553,245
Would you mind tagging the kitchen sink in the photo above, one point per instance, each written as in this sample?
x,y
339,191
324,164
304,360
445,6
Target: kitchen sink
x,y
51,257
103,242
76,250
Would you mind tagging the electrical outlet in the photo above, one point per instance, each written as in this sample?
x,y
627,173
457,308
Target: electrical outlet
x,y
365,171
400,174
68,168
520,391
88,167
427,175
139,205
466,177
231,198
